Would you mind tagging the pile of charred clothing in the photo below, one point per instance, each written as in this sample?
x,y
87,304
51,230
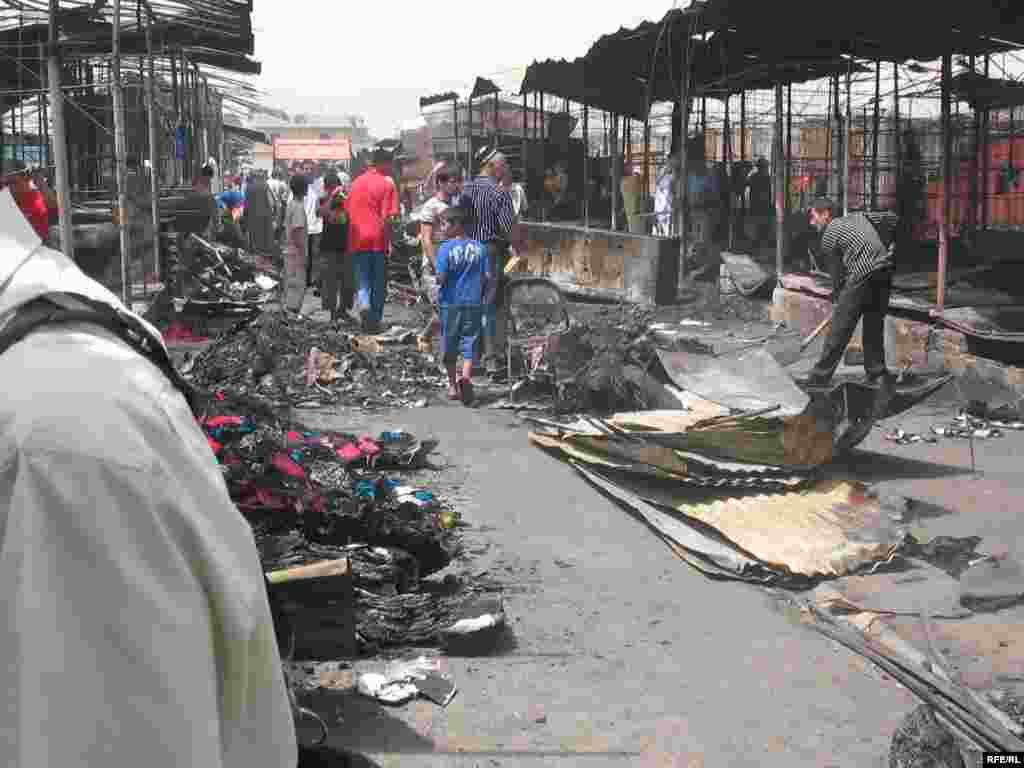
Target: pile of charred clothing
x,y
303,363
599,367
321,497
210,282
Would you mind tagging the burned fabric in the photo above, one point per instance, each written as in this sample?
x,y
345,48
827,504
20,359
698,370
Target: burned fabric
x,y
302,363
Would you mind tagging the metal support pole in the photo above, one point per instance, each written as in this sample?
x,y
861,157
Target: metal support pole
x,y
647,165
847,135
543,149
743,126
615,157
586,166
683,182
985,138
896,120
120,159
469,139
177,175
60,141
455,127
874,136
44,124
525,141
727,157
947,182
972,213
154,157
789,143
780,192
494,133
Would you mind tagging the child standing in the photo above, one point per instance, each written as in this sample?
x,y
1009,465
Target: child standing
x,y
463,273
295,231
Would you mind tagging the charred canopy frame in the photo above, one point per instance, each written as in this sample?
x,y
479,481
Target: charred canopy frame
x,y
93,54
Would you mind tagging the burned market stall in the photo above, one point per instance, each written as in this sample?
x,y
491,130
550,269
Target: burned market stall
x,y
120,108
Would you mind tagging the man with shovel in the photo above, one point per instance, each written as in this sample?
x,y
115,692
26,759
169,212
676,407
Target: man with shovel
x,y
861,265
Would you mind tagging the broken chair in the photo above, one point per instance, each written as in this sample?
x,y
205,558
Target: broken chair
x,y
537,317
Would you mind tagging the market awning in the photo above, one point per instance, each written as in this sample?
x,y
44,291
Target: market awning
x,y
440,98
987,92
257,137
741,45
484,87
604,90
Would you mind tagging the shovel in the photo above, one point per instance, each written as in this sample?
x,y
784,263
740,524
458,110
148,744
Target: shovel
x,y
793,352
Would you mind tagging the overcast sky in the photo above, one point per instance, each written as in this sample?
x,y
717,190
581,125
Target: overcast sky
x,y
377,59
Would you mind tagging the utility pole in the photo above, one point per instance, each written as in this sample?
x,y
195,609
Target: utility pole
x,y
60,140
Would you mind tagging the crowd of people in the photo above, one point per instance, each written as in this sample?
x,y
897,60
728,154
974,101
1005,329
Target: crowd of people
x,y
337,236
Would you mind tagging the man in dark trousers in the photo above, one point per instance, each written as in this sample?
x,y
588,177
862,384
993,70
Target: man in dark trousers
x,y
861,264
493,223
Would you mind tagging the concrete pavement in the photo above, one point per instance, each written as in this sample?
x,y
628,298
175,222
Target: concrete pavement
x,y
621,653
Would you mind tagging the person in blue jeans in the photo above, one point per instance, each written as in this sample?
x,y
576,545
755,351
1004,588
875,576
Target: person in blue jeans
x,y
463,275
371,206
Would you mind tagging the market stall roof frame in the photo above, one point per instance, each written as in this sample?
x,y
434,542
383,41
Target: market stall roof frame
x,y
739,45
982,92
258,137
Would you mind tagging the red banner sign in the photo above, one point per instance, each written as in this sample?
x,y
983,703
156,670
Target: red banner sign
x,y
312,149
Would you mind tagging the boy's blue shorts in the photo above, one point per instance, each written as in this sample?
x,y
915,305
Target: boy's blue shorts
x,y
461,326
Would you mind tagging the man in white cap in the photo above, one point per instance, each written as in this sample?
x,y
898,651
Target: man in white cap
x,y
493,224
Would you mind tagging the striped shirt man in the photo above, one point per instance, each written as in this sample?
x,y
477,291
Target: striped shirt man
x,y
857,246
493,212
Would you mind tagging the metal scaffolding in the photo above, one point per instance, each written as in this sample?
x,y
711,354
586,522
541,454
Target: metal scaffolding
x,y
91,93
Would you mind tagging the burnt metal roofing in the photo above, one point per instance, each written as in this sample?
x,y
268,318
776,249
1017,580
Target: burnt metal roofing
x,y
484,87
986,92
440,98
258,137
737,45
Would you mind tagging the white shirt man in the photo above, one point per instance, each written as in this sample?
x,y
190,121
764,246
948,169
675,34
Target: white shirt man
x,y
133,613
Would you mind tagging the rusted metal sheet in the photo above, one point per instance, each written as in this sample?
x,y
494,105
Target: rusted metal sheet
x,y
603,264
996,323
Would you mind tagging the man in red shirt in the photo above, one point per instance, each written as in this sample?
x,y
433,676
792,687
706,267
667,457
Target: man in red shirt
x,y
372,205
35,199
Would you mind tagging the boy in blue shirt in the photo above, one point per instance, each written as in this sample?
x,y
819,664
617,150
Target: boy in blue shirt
x,y
463,273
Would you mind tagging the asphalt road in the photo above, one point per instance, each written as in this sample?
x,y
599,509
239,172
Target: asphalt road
x,y
620,653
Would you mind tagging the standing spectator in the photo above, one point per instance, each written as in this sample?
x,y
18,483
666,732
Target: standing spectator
x,y
446,182
520,206
314,223
492,223
664,198
372,206
463,274
296,262
281,195
259,214
34,197
760,204
338,284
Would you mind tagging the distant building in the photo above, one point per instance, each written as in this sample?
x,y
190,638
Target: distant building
x,y
310,128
